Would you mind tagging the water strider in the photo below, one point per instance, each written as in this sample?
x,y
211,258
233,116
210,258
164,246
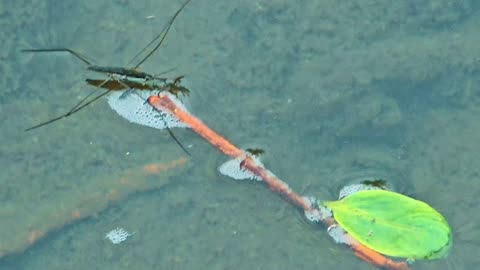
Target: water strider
x,y
121,78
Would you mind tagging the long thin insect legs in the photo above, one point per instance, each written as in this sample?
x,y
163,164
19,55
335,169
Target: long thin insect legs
x,y
74,53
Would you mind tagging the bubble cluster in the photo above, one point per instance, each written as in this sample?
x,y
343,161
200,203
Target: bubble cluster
x,y
348,190
317,212
117,235
233,169
339,235
132,105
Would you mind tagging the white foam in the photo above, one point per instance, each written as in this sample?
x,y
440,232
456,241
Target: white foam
x,y
118,235
317,212
339,235
348,190
132,105
233,169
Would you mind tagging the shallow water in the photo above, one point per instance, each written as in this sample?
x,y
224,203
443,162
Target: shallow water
x,y
332,90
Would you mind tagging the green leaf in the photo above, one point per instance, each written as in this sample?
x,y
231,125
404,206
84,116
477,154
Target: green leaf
x,y
393,224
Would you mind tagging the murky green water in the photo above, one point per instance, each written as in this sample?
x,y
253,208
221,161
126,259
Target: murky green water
x,y
332,90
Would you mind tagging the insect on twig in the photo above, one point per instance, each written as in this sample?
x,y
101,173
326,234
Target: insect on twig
x,y
121,78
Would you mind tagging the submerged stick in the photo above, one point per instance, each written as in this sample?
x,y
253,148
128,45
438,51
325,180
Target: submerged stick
x,y
163,103
24,227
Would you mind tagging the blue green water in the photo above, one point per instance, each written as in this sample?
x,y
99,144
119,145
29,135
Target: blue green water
x,y
333,91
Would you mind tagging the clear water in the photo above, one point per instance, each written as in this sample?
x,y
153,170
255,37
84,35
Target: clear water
x,y
332,90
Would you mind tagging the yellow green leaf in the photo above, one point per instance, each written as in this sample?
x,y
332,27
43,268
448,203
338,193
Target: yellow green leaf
x,y
393,224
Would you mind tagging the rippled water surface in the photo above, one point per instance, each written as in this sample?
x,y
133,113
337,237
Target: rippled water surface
x,y
333,91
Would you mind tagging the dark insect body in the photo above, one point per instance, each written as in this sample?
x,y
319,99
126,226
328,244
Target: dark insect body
x,y
121,78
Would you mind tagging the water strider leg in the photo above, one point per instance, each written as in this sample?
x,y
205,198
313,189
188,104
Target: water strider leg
x,y
160,36
75,109
74,53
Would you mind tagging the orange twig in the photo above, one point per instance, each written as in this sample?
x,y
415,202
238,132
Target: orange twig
x,y
163,103
374,258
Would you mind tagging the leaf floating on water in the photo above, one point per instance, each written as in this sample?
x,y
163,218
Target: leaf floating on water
x,y
393,224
